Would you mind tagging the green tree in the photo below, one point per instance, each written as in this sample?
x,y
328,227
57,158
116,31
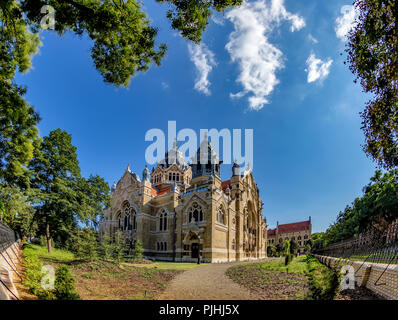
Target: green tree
x,y
87,246
293,247
123,37
64,287
55,172
138,250
119,246
106,247
94,194
271,250
373,57
377,207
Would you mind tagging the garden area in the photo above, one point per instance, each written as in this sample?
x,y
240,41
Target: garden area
x,y
96,279
302,278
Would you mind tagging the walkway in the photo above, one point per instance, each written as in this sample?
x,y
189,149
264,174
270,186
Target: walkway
x,y
206,282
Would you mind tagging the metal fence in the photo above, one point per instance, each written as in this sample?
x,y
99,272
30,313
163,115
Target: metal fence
x,y
7,237
373,246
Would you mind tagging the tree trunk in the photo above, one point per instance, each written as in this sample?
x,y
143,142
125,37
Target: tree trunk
x,y
48,238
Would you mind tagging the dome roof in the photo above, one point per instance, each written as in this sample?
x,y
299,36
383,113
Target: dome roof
x,y
174,156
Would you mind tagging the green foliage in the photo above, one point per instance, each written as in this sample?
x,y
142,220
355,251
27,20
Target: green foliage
x,y
378,205
138,250
373,57
324,282
63,284
293,247
106,247
287,252
33,276
87,246
271,250
119,246
64,288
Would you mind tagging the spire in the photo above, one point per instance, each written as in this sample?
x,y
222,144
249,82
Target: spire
x,y
175,146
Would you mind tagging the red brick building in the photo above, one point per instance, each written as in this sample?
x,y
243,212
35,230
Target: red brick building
x,y
299,232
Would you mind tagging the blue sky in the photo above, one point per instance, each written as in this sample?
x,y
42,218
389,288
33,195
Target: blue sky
x,y
308,159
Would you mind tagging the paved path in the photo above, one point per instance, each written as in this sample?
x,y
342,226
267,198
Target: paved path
x,y
206,282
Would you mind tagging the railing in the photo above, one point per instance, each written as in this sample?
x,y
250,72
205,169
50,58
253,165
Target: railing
x,y
374,246
7,237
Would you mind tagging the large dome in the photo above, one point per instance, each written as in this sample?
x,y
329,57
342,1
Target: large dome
x,y
174,156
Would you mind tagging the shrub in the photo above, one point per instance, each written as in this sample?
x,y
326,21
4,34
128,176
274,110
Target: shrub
x,y
138,250
86,244
33,274
106,247
64,288
324,282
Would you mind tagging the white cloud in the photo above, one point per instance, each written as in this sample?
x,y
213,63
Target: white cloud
x,y
204,61
345,22
249,45
164,85
317,70
312,39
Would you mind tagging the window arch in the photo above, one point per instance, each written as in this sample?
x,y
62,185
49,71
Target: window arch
x,y
163,220
195,213
221,216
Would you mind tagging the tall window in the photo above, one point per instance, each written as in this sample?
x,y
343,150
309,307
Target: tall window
x,y
163,220
127,217
221,216
195,213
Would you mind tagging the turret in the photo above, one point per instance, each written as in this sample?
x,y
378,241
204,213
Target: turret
x,y
146,174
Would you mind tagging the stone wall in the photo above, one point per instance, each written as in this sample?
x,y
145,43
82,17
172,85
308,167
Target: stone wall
x,y
368,275
8,263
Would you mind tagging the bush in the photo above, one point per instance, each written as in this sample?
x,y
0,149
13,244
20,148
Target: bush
x,y
324,282
85,244
63,284
64,288
138,250
106,248
33,275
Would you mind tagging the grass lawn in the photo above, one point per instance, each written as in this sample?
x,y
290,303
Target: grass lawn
x,y
104,280
272,280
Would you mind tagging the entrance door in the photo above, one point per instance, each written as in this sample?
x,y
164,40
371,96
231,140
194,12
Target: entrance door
x,y
195,250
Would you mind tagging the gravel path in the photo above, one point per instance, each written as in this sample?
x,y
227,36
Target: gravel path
x,y
206,282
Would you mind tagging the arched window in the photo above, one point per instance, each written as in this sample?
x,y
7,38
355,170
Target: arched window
x,y
161,246
221,216
170,176
195,213
299,238
165,246
127,217
163,220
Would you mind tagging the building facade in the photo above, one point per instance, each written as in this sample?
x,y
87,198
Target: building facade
x,y
299,232
180,211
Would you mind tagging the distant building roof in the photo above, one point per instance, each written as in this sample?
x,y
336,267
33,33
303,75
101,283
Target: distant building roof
x,y
225,184
290,227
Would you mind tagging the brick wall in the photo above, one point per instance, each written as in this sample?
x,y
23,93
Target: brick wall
x,y
368,275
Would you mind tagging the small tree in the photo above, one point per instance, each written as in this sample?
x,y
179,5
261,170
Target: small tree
x,y
119,246
271,251
106,247
286,252
293,247
64,284
138,250
87,244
